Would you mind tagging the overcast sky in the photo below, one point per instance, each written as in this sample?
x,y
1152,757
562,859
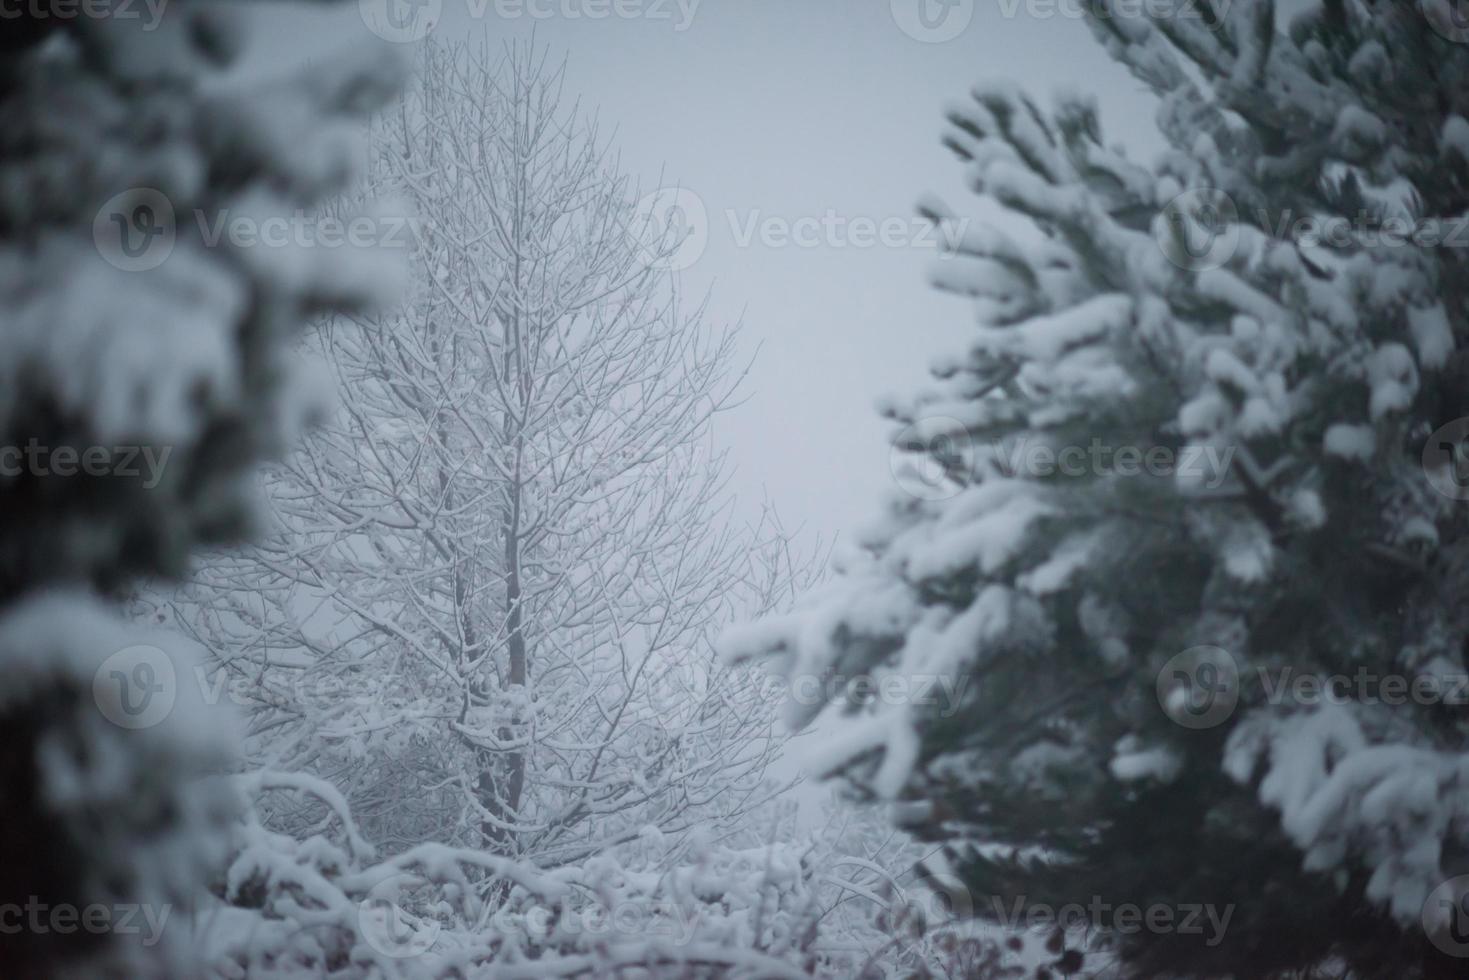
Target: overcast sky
x,y
769,112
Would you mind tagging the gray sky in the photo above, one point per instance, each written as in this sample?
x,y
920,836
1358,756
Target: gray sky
x,y
784,110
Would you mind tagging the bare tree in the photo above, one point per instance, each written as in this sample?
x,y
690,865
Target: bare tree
x,y
487,614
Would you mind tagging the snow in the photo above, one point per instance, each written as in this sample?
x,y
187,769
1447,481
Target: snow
x,y
985,527
1307,508
1074,554
1248,552
1260,417
1133,763
1223,366
1393,377
126,353
478,649
1045,338
1357,131
1336,791
1226,287
1455,136
1350,441
1432,336
137,761
1207,414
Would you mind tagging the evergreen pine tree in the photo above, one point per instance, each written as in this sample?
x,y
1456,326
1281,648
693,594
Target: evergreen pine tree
x,y
1205,442
128,336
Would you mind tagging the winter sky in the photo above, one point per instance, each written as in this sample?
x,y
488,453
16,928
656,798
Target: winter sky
x,y
807,129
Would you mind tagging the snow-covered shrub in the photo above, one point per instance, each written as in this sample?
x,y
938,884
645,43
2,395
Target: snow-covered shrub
x,y
330,905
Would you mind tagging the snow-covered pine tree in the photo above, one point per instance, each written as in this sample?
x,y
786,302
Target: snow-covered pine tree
x,y
1268,363
106,118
